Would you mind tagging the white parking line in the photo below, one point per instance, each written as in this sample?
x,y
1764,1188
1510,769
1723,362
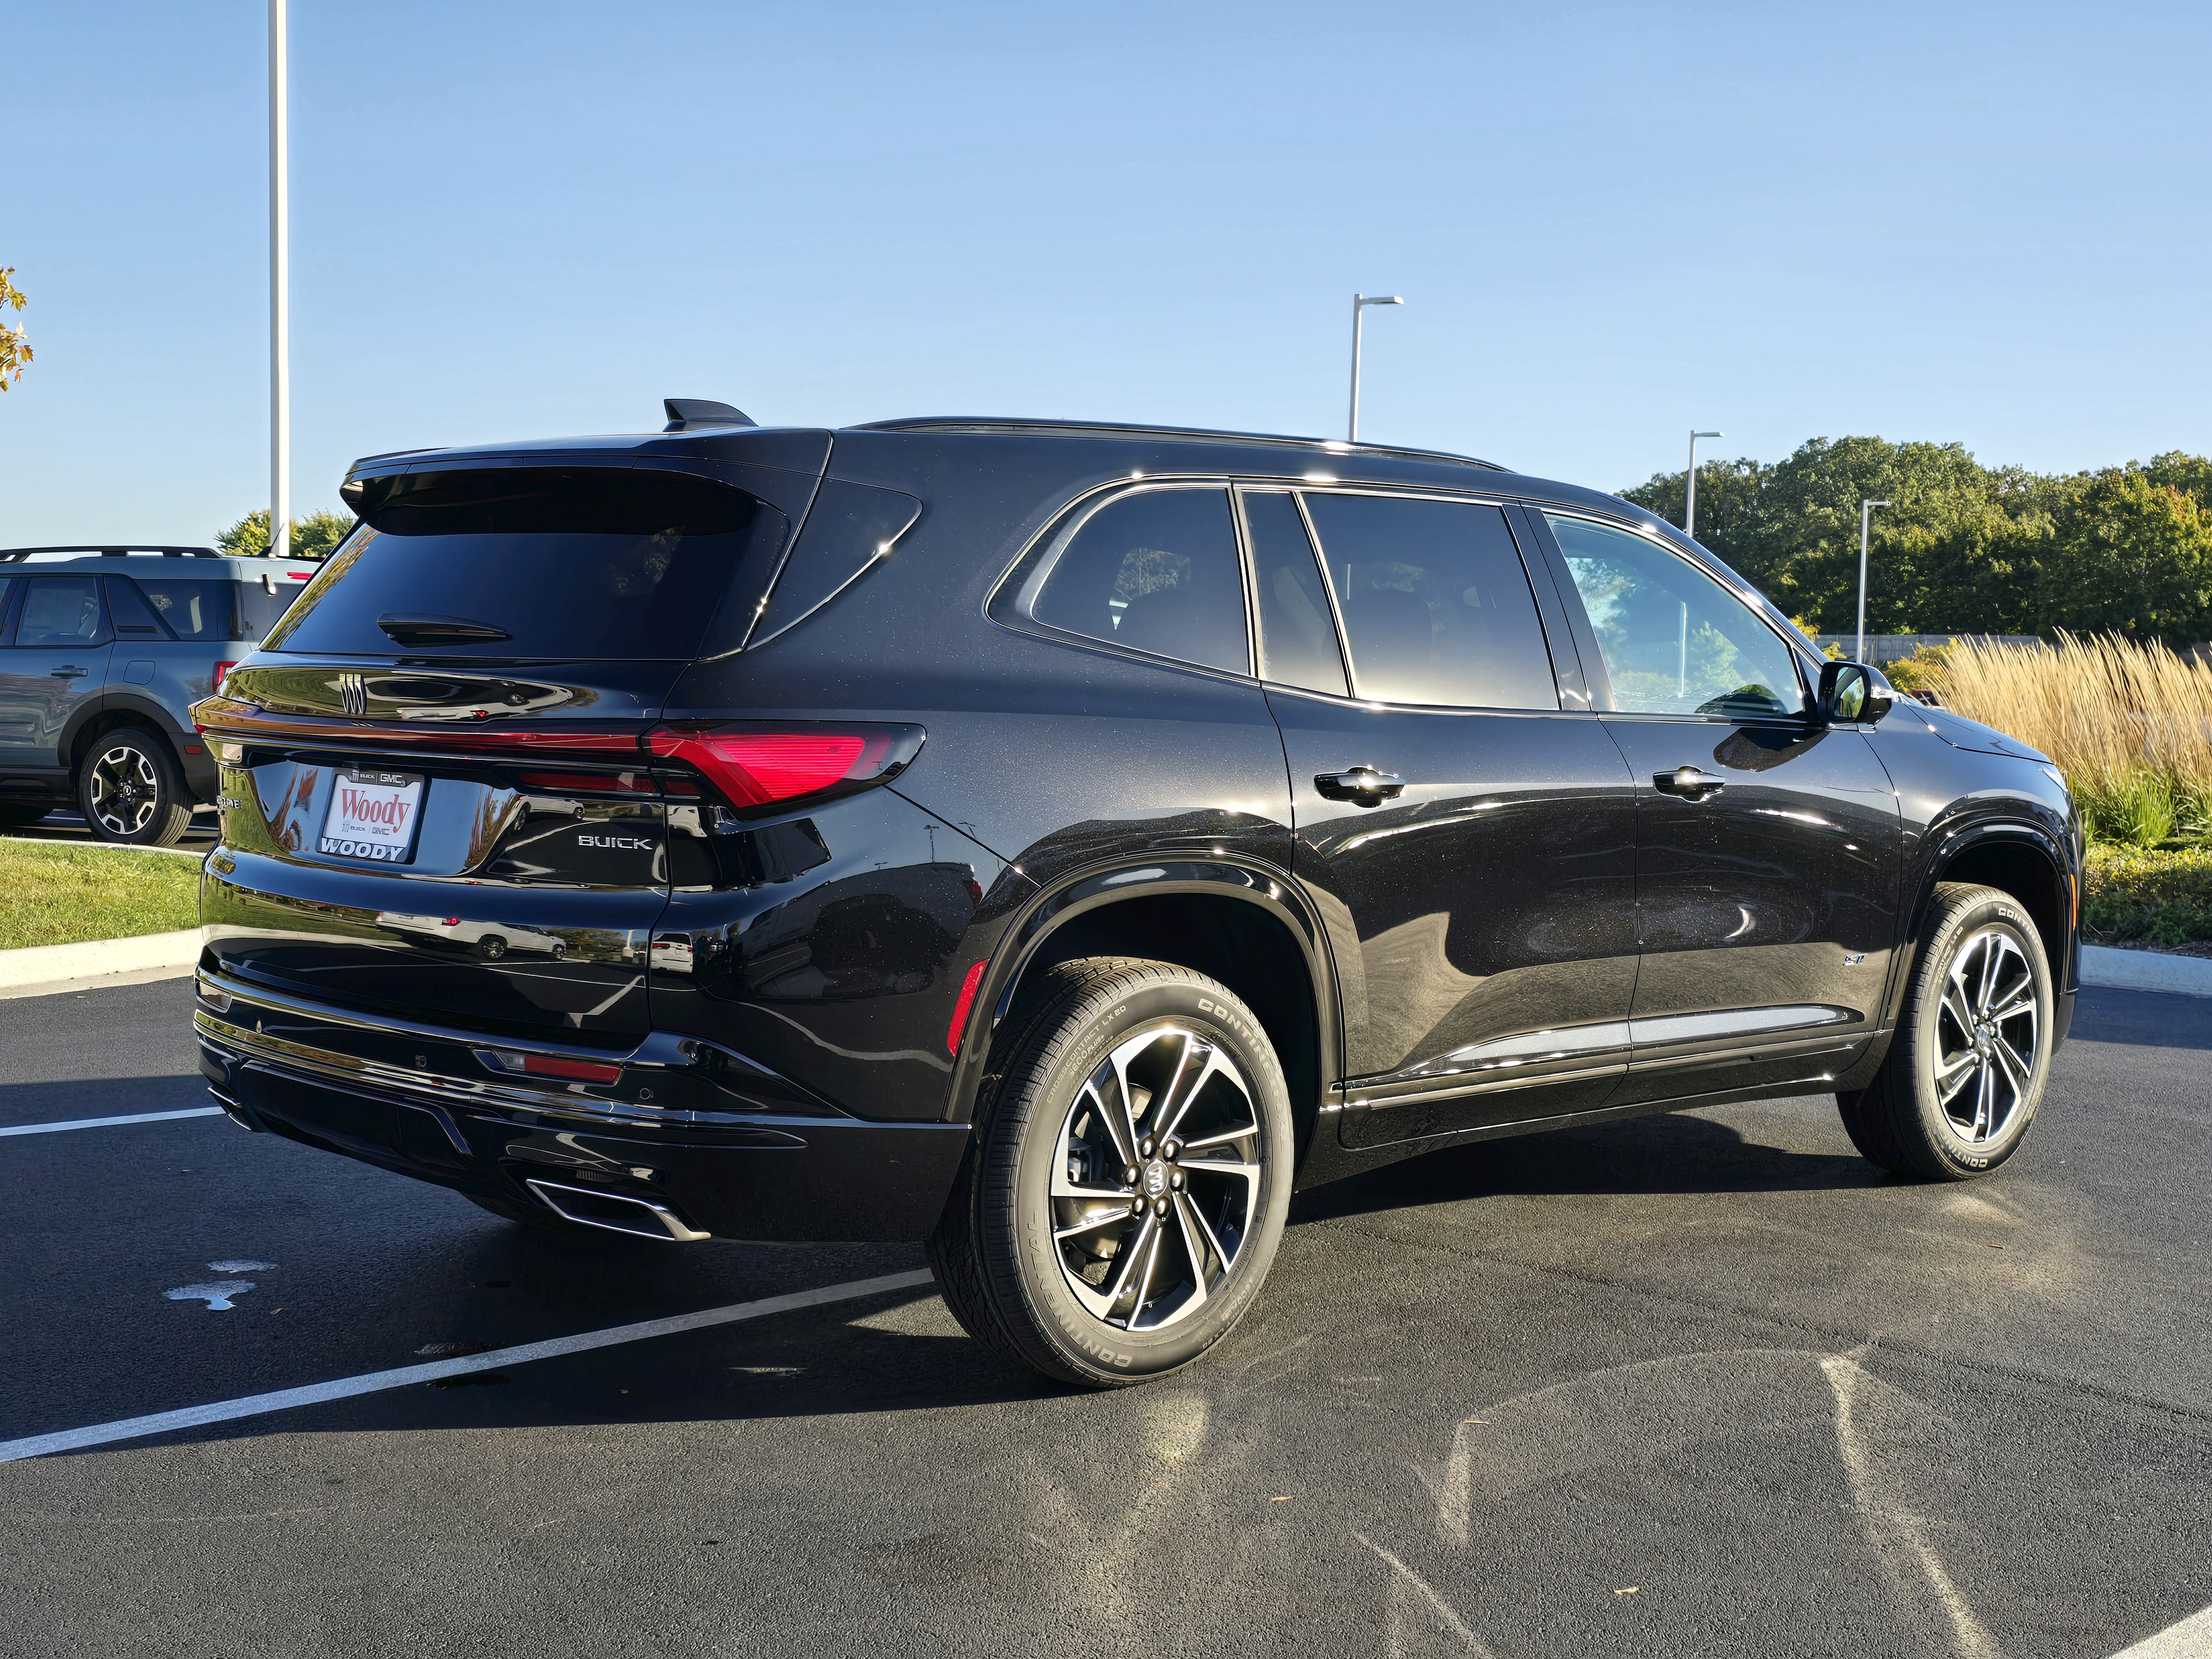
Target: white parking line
x,y
2190,1640
258,1405
108,1123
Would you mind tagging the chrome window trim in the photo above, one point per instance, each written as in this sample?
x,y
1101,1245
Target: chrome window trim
x,y
1745,595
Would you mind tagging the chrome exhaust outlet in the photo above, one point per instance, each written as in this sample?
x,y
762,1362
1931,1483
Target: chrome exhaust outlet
x,y
651,1220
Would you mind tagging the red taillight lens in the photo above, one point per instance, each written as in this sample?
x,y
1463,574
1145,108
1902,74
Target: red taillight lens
x,y
584,1070
757,766
222,671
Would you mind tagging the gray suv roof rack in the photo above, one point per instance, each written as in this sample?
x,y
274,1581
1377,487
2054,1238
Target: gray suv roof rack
x,y
17,555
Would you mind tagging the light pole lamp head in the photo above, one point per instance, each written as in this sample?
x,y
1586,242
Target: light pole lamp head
x,y
1378,300
1709,434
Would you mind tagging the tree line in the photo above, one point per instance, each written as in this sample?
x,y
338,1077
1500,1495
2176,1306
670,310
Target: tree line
x,y
1964,547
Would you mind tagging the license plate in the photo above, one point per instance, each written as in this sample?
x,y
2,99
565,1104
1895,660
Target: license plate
x,y
372,816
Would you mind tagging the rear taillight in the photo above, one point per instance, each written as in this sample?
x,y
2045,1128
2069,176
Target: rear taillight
x,y
221,672
755,764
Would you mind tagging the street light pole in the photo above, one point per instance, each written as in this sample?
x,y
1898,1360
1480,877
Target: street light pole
x,y
280,300
1690,499
1865,519
1359,304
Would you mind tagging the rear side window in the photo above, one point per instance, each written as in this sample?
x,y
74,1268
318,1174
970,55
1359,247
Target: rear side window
x,y
1435,604
258,607
1157,571
849,527
568,563
192,610
63,611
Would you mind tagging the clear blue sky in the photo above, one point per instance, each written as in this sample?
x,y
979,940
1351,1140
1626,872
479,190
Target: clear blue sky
x,y
1984,223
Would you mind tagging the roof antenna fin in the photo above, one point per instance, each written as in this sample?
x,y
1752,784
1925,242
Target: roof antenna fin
x,y
684,413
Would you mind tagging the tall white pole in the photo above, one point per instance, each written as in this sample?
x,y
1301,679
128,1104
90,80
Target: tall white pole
x,y
1866,517
280,300
1352,426
1690,494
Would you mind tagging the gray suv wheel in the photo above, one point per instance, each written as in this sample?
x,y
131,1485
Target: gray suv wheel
x,y
129,789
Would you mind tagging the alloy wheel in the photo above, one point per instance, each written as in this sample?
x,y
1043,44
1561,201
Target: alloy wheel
x,y
1986,1032
1156,1178
125,790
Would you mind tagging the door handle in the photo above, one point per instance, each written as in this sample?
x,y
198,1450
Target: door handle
x,y
1688,781
1362,784
70,671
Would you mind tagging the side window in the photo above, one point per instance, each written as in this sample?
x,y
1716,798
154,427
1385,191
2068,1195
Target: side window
x,y
128,610
1157,571
193,610
11,587
1437,606
63,611
1675,641
1297,635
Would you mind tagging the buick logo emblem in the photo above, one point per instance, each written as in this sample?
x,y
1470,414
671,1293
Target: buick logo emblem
x,y
353,696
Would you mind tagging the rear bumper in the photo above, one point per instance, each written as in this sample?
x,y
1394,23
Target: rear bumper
x,y
763,1177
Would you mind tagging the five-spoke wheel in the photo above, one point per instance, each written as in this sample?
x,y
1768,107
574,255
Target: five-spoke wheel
x,y
129,790
1966,1064
1127,1185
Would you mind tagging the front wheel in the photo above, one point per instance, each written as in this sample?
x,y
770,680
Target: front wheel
x,y
1125,1191
1972,1053
129,791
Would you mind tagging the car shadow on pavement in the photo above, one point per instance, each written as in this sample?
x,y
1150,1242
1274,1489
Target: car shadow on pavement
x,y
2145,1019
1666,1153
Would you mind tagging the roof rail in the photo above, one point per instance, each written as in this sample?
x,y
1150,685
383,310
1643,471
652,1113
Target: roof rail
x,y
1132,428
114,550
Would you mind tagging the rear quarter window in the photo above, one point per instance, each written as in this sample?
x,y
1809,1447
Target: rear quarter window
x,y
1155,570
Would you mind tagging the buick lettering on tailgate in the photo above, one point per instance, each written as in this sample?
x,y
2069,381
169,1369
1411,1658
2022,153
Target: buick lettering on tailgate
x,y
372,816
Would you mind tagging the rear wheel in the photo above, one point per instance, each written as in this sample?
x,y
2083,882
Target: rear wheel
x,y
1966,1068
129,791
1125,1191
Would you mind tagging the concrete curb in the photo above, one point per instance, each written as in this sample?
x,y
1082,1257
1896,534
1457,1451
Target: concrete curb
x,y
39,969
2145,971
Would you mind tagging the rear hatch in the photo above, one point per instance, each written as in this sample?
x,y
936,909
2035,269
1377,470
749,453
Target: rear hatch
x,y
438,801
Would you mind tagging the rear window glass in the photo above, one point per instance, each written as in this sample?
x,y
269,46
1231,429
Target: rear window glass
x,y
193,610
1157,571
259,608
567,562
1437,606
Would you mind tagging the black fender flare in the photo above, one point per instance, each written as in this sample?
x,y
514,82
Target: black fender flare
x,y
1093,887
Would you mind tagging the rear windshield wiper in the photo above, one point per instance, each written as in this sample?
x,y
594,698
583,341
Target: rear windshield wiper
x,y
416,629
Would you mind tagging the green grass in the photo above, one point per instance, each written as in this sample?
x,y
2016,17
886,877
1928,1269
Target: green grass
x,y
2159,897
52,895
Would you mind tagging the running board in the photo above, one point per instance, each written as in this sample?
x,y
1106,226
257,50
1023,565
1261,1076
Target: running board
x,y
618,1213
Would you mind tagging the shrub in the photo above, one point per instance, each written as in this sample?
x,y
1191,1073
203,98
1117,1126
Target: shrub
x,y
2162,898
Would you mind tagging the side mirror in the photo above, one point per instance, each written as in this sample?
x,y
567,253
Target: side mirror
x,y
1852,694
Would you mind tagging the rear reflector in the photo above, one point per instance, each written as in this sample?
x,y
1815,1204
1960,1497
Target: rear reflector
x,y
765,766
580,1070
960,1009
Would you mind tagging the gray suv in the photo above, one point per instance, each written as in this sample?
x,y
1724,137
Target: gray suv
x,y
103,651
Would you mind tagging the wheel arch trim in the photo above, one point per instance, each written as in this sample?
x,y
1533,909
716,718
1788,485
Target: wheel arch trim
x,y
1095,887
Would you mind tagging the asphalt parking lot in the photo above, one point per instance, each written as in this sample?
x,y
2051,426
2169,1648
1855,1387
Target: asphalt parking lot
x,y
1704,1384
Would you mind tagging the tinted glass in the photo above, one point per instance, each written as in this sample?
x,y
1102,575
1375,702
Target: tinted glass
x,y
1675,641
9,587
1157,571
193,610
258,609
1297,636
1437,606
61,610
569,563
129,613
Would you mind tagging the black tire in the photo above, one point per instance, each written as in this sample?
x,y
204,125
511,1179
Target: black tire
x,y
129,791
1011,1282
491,947
1959,1089
13,816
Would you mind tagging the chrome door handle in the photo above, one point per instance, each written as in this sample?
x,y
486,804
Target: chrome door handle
x,y
1688,781
70,671
1362,784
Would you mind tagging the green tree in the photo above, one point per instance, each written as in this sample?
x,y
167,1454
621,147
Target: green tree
x,y
2128,555
313,537
15,349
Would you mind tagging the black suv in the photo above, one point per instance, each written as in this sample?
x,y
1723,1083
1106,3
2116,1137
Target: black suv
x,y
1059,843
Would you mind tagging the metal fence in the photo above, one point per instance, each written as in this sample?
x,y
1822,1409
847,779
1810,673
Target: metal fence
x,y
1889,647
